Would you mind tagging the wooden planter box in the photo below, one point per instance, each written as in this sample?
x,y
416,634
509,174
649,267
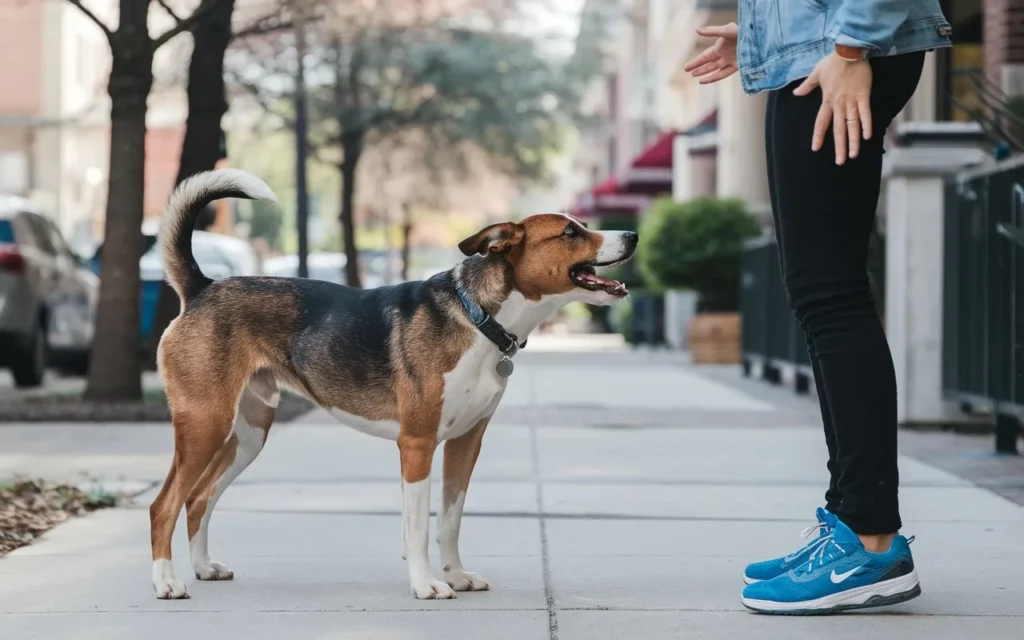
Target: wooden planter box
x,y
715,338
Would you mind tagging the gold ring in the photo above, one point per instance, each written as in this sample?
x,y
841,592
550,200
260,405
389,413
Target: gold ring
x,y
851,119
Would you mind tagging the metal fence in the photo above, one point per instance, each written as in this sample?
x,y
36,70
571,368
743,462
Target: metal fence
x,y
983,317
772,339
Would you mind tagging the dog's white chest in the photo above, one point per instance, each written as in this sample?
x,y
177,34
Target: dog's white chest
x,y
472,390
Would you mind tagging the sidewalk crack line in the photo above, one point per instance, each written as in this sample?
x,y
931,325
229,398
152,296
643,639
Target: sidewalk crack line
x,y
549,592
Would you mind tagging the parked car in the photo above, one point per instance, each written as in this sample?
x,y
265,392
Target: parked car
x,y
327,266
48,297
218,255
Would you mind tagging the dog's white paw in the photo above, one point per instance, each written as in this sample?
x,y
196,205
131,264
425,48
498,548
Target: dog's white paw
x,y
167,587
465,581
171,589
432,590
213,571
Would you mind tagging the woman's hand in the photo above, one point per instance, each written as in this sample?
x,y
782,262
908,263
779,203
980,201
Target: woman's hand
x,y
718,61
845,103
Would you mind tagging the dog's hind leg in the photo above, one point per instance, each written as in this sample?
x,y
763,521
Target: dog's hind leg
x,y
255,414
203,400
199,432
460,456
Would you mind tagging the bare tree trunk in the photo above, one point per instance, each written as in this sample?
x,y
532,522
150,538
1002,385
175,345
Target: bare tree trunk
x,y
204,138
352,147
115,368
207,103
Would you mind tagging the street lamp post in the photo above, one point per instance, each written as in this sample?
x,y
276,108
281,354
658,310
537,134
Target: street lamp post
x,y
301,142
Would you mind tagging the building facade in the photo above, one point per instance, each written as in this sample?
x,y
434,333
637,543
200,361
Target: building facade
x,y
719,130
53,110
55,113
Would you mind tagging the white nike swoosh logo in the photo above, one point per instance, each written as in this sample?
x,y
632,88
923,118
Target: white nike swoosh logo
x,y
838,578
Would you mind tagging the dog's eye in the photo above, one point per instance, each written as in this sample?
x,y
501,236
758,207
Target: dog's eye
x,y
570,231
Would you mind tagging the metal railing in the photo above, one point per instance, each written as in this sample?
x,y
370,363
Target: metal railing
x,y
999,115
983,316
772,339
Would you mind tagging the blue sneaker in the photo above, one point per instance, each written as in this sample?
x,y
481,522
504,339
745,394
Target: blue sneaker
x,y
839,575
773,568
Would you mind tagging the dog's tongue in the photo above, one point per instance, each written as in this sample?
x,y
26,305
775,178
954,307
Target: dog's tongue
x,y
611,286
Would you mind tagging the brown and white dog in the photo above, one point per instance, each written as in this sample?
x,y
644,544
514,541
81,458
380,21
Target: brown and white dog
x,y
420,363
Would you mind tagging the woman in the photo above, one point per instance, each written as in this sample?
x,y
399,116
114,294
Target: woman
x,y
838,72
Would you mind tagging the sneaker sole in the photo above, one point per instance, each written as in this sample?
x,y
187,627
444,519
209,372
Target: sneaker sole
x,y
748,580
880,594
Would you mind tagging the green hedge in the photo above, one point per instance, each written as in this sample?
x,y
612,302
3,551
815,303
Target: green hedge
x,y
696,245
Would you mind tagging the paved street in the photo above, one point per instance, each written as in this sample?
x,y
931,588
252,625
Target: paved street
x,y
618,495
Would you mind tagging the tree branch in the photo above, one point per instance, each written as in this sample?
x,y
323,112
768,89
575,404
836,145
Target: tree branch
x,y
92,16
269,24
254,93
166,7
276,21
207,6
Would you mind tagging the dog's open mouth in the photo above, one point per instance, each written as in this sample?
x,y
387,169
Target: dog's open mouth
x,y
584,275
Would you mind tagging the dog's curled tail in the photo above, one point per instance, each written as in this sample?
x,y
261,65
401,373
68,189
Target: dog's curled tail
x,y
183,208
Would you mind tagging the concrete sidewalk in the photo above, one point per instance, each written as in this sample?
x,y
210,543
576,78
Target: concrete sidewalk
x,y
586,525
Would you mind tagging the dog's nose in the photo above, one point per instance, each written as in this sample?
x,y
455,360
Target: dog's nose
x,y
630,238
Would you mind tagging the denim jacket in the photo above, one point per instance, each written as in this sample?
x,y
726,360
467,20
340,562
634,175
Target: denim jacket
x,y
781,40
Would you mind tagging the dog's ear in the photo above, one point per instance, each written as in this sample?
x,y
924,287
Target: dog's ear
x,y
493,239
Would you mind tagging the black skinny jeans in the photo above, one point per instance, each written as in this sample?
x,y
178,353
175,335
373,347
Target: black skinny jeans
x,y
824,215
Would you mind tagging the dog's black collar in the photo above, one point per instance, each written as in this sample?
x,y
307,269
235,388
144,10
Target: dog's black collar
x,y
506,342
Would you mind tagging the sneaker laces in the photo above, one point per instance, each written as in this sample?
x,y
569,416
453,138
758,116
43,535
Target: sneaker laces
x,y
813,528
822,554
811,544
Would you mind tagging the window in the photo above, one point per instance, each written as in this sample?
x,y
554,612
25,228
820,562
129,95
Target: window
x,y
43,237
25,233
6,232
965,16
82,57
60,246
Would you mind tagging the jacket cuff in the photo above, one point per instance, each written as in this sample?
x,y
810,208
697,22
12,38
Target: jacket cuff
x,y
870,24
850,41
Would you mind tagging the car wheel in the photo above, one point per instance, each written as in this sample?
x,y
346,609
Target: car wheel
x,y
30,364
77,365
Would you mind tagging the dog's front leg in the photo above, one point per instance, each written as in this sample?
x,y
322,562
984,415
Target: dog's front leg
x,y
405,553
460,456
417,453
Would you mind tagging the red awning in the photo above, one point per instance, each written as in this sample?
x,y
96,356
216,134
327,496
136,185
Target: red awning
x,y
609,186
651,171
658,155
609,198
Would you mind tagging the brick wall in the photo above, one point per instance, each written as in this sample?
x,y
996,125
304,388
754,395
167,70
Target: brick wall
x,y
1003,36
163,151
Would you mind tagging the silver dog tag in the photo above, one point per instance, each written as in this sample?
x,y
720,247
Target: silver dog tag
x,y
504,367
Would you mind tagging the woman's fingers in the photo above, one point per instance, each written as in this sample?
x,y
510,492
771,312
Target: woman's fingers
x,y
708,55
708,67
864,109
839,132
809,84
722,31
852,129
722,74
821,126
